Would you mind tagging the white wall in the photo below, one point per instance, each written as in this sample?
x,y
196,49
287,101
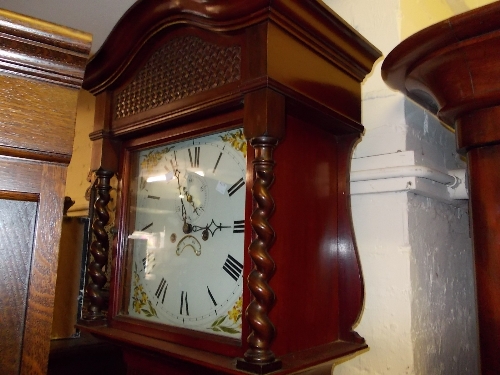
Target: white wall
x,y
419,315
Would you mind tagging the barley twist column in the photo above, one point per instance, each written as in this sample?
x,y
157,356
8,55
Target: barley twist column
x,y
99,247
259,357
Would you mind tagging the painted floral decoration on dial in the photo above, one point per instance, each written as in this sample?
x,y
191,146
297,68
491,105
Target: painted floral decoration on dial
x,y
187,233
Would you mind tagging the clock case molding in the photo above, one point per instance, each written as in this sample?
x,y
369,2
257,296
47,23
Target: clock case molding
x,y
289,73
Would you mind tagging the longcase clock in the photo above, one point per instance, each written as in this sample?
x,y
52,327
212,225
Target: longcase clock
x,y
230,127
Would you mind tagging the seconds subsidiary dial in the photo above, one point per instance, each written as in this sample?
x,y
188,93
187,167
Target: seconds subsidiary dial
x,y
186,237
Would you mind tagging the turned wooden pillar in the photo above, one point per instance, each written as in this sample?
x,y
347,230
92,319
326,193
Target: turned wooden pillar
x,y
453,69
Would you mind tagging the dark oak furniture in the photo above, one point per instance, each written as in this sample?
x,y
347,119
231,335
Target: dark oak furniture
x,y
41,70
452,68
288,73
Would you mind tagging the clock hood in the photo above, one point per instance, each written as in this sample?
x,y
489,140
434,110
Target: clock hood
x,y
310,19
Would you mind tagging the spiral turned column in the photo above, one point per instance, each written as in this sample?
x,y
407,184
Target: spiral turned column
x,y
99,247
259,358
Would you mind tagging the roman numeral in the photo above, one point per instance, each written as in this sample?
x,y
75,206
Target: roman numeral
x,y
161,288
233,189
211,296
147,227
153,197
217,163
232,267
195,161
144,262
239,226
184,304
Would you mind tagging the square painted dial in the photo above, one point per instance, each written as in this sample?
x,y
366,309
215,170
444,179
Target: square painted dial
x,y
186,233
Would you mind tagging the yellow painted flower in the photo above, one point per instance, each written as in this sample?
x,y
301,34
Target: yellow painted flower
x,y
239,303
233,314
144,298
137,306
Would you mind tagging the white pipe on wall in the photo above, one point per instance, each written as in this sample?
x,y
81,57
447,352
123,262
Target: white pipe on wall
x,y
404,171
455,180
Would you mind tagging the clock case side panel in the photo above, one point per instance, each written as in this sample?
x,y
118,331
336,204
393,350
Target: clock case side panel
x,y
120,274
315,249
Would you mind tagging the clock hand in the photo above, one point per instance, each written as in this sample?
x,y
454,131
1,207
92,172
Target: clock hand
x,y
189,198
208,229
186,228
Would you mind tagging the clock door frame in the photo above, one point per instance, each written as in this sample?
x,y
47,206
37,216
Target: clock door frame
x,y
121,273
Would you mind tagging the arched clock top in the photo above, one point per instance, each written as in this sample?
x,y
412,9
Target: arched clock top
x,y
310,21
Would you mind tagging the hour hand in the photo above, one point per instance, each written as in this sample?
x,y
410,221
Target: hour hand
x,y
186,228
209,229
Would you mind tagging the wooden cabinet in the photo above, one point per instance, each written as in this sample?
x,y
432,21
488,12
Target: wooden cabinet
x,y
278,81
452,68
41,70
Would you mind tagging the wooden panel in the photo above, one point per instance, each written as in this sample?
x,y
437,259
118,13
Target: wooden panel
x,y
36,117
305,193
312,75
36,343
485,206
27,175
69,274
17,224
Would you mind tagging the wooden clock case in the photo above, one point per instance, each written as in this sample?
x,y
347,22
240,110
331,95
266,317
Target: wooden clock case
x,y
289,73
41,72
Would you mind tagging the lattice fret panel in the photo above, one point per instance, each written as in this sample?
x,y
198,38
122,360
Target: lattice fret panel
x,y
183,67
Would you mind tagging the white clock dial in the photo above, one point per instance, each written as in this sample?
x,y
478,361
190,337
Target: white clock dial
x,y
187,234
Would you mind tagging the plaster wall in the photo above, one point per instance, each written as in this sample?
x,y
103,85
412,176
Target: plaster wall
x,y
380,223
443,305
418,14
79,167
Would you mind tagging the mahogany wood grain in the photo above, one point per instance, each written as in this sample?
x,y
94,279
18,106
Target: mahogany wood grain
x,y
452,68
41,69
148,356
483,195
290,72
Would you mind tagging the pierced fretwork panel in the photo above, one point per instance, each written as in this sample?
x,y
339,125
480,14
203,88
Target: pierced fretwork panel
x,y
183,67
